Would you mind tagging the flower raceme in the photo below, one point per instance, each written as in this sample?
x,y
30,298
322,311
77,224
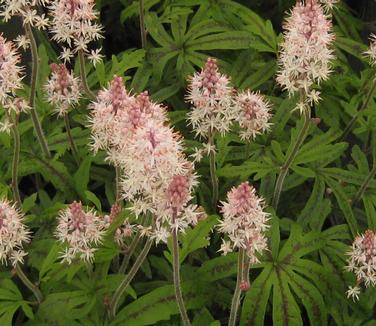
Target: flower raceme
x,y
371,52
10,72
63,89
252,114
79,231
244,221
362,262
13,234
116,115
73,25
210,94
306,51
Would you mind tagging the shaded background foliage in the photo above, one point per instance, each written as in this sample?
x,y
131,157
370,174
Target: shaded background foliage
x,y
302,279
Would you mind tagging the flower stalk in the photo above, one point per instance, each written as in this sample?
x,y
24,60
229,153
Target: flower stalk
x,y
213,171
364,185
290,158
30,285
33,88
128,279
236,297
70,139
176,272
142,24
85,85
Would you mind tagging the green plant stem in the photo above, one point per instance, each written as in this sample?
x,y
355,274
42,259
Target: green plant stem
x,y
142,24
33,88
30,285
117,183
364,185
16,159
136,240
128,279
352,122
236,297
85,85
70,138
176,271
285,167
213,171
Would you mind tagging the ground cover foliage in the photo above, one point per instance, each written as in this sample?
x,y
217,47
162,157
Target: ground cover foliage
x,y
328,196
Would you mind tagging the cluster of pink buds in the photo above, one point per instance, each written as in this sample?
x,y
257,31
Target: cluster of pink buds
x,y
362,262
13,234
27,9
244,222
306,51
371,52
116,115
63,89
210,94
216,106
10,82
73,24
79,231
124,231
253,114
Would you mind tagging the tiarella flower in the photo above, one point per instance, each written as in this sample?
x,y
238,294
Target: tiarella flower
x,y
306,51
210,94
13,234
63,90
124,231
79,231
371,52
73,23
116,115
252,114
329,4
95,56
362,261
22,42
27,9
10,72
244,221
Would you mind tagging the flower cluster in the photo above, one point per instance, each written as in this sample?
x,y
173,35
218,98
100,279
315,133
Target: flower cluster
x,y
252,114
73,24
244,221
116,115
306,51
210,94
362,262
10,72
27,9
63,89
216,106
80,231
13,233
371,52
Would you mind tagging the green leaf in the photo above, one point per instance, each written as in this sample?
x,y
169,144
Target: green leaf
x,y
157,31
29,202
197,237
94,199
226,40
218,268
82,176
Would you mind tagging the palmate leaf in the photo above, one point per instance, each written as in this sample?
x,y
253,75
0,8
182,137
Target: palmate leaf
x,y
290,281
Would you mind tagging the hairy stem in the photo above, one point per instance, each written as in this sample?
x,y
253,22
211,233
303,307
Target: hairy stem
x,y
176,271
285,167
352,122
16,159
70,138
213,171
236,297
136,240
30,285
33,88
117,183
128,279
364,185
85,85
142,24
